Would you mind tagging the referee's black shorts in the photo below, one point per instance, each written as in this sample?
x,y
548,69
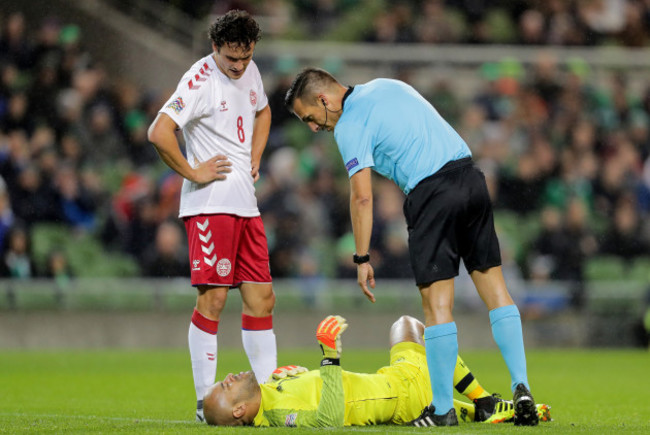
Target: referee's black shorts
x,y
449,217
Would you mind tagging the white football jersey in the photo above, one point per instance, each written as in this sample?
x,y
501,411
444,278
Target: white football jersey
x,y
217,115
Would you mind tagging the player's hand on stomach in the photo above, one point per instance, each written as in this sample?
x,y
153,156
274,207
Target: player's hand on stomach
x,y
215,168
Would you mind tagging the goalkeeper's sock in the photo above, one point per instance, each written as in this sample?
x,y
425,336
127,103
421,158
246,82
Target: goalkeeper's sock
x,y
506,330
441,345
465,383
259,343
202,338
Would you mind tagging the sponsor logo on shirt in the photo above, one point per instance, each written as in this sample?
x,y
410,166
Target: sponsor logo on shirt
x,y
352,164
223,107
253,96
177,105
290,421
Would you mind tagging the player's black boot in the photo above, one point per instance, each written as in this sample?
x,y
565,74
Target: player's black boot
x,y
199,411
525,409
429,418
484,407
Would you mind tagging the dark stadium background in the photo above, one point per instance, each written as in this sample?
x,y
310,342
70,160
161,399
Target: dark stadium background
x,y
552,97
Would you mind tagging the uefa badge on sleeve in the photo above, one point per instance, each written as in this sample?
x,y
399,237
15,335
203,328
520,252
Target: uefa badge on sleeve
x,y
253,96
290,420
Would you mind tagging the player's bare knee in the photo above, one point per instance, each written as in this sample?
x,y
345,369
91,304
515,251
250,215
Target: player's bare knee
x,y
260,306
269,301
211,301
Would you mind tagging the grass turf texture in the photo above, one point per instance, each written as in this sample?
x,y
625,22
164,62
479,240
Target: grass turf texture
x,y
597,392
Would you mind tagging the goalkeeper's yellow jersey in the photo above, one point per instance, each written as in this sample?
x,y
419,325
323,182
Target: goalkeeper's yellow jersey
x,y
334,397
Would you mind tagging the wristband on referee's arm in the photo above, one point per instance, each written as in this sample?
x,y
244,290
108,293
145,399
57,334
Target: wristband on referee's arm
x,y
360,259
330,362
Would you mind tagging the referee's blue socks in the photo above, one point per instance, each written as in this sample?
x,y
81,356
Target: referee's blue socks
x,y
441,344
506,330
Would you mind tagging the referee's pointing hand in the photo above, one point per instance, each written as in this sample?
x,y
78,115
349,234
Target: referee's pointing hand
x,y
365,277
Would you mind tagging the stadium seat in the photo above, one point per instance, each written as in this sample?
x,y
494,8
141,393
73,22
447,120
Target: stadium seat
x,y
605,268
46,237
640,270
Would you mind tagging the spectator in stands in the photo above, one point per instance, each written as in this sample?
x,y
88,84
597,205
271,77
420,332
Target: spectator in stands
x,y
141,154
101,141
167,257
58,268
14,44
141,227
580,242
16,259
77,205
445,100
624,237
34,201
545,252
394,262
434,24
615,178
17,116
7,217
284,69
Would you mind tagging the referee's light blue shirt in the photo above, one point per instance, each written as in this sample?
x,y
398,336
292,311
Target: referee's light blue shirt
x,y
388,126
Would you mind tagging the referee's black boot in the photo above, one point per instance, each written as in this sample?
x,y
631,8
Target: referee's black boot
x,y
429,418
525,409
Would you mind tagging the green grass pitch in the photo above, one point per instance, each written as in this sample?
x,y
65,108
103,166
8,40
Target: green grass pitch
x,y
149,391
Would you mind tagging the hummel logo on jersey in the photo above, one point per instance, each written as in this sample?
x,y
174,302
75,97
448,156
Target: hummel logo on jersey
x,y
207,250
203,75
195,265
223,107
210,261
202,226
205,238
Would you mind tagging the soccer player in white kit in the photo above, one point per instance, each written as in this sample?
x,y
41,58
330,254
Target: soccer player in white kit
x,y
222,110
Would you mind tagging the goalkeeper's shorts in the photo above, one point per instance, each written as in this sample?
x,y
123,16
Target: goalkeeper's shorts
x,y
408,370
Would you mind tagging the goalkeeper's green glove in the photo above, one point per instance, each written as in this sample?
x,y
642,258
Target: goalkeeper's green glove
x,y
328,335
286,372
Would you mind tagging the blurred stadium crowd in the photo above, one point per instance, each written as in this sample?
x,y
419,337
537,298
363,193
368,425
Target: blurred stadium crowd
x,y
529,22
567,157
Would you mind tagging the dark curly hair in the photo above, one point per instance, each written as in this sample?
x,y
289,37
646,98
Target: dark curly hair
x,y
235,28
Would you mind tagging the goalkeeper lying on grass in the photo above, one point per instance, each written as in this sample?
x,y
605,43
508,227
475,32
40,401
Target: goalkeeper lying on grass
x,y
331,397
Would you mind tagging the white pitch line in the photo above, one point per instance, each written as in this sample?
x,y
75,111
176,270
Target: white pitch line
x,y
94,417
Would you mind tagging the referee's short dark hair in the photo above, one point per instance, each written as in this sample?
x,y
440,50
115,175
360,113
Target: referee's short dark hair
x,y
235,28
306,82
